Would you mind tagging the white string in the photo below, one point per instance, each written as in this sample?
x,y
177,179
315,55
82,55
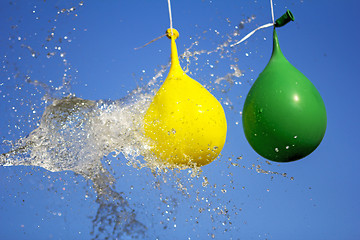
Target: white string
x,y
251,33
171,25
261,27
272,11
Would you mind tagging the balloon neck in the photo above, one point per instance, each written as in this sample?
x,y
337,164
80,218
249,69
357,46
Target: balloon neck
x,y
276,46
173,34
175,64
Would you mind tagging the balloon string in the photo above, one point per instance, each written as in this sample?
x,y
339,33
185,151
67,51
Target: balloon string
x,y
170,17
272,12
261,27
251,33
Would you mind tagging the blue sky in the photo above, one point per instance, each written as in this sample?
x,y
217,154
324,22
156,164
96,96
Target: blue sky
x,y
317,199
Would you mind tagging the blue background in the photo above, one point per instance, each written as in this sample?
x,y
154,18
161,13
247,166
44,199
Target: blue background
x,y
318,197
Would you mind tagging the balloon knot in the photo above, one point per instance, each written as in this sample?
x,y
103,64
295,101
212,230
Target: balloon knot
x,y
170,33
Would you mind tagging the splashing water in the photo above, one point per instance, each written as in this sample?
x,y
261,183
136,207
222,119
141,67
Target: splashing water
x,y
75,134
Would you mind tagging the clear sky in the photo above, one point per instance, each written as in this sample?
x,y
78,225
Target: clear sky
x,y
53,48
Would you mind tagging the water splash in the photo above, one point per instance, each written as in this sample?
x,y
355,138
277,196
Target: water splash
x,y
74,135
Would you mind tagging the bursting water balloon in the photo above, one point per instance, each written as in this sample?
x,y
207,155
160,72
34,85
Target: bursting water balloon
x,y
284,116
185,123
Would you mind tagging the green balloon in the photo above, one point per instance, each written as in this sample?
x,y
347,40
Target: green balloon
x,y
284,116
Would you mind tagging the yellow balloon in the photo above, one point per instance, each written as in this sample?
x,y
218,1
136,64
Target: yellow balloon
x,y
185,123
